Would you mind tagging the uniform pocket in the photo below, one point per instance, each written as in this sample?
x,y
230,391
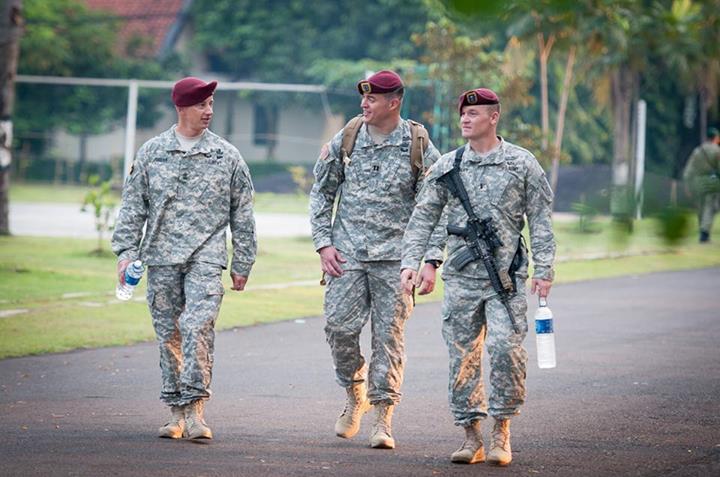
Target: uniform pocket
x,y
215,287
397,174
355,170
507,192
162,179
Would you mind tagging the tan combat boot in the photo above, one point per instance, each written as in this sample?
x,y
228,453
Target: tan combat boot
x,y
197,428
175,427
381,436
500,452
356,405
472,451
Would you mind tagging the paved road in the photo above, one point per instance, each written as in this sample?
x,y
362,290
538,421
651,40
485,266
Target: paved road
x,y
66,220
635,393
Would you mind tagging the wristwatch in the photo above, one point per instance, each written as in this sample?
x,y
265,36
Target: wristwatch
x,y
434,263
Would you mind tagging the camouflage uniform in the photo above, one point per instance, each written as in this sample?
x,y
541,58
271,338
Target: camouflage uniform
x,y
505,184
186,200
701,171
376,190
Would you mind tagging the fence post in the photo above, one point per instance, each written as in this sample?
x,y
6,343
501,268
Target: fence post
x,y
130,126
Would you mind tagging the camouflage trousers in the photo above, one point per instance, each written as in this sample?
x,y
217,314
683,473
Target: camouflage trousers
x,y
368,291
473,316
707,208
184,302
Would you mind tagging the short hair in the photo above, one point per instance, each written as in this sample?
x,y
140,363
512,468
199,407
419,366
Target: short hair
x,y
398,93
713,132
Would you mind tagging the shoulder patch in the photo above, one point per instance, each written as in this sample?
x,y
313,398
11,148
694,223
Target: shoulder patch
x,y
325,152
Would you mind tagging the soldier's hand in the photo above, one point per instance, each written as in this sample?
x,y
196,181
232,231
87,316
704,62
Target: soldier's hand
x,y
427,279
121,266
331,260
407,280
239,282
542,287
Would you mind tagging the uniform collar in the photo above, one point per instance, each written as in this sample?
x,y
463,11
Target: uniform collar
x,y
172,144
395,138
496,156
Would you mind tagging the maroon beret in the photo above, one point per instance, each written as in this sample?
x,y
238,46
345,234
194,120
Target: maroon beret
x,y
384,81
477,97
189,91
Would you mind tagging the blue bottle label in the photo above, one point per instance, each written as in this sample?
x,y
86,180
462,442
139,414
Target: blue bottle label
x,y
544,326
131,280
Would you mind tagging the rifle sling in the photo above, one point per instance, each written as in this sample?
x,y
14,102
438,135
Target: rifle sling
x,y
517,259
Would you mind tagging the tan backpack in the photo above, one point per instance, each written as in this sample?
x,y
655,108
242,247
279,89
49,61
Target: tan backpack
x,y
419,140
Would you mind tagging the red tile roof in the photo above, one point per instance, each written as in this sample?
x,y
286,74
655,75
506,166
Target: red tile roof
x,y
149,19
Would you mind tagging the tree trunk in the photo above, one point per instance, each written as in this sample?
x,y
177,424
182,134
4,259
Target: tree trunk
x,y
622,94
82,158
544,49
560,126
10,30
704,105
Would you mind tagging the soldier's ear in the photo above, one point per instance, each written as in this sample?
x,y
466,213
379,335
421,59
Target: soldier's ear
x,y
395,103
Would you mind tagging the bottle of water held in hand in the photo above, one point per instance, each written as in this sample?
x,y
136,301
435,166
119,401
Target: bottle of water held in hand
x,y
544,335
133,274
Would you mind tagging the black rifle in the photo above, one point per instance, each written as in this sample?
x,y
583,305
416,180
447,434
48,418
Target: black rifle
x,y
480,238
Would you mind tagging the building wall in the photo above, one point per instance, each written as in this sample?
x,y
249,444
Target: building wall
x,y
300,133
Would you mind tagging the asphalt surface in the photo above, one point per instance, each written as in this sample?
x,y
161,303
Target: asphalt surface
x,y
635,393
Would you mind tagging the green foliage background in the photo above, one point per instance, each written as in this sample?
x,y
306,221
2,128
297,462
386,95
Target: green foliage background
x,y
441,47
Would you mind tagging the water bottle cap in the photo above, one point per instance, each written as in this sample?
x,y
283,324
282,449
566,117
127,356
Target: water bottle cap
x,y
137,263
542,301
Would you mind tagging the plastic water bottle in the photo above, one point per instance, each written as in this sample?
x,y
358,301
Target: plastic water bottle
x,y
133,274
544,336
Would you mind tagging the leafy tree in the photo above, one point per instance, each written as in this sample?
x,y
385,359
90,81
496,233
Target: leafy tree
x,y
277,40
457,62
545,23
292,41
65,38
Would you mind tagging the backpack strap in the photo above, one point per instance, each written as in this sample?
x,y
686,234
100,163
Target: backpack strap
x,y
419,140
419,143
350,134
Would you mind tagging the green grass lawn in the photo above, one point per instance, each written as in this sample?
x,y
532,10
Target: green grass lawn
x,y
265,202
68,293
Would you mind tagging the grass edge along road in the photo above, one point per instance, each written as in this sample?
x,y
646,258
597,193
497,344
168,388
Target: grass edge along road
x,y
55,297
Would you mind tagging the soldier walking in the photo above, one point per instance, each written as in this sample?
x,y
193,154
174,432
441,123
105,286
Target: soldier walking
x,y
702,179
185,187
505,184
373,167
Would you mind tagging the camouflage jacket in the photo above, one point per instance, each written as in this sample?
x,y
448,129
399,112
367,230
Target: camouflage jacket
x,y
507,184
703,163
375,189
186,200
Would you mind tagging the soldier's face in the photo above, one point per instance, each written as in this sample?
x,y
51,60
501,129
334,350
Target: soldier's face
x,y
376,108
198,116
478,121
